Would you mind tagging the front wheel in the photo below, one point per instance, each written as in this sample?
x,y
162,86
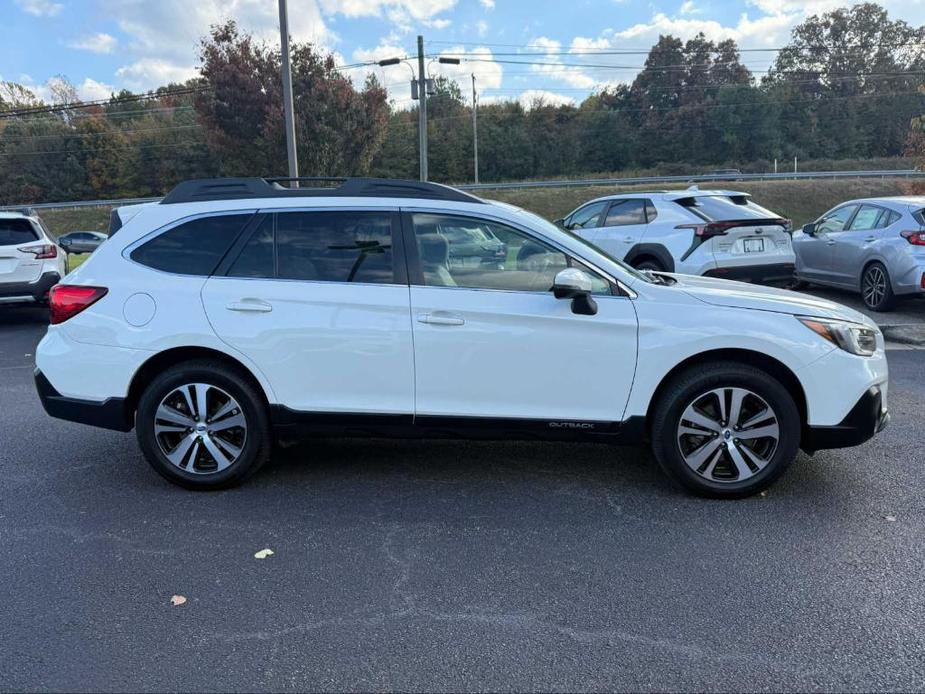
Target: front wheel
x,y
202,425
725,430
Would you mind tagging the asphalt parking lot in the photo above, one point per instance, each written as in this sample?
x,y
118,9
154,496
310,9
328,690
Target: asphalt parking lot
x,y
453,566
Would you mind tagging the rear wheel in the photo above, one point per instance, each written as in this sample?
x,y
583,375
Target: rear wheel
x,y
725,430
876,288
202,425
649,264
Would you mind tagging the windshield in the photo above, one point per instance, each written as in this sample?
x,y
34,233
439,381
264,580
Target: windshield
x,y
719,208
553,230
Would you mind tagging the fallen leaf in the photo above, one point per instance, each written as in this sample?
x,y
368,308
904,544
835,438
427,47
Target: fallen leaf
x,y
891,519
177,600
263,554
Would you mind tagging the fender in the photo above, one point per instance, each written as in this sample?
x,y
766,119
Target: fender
x,y
656,250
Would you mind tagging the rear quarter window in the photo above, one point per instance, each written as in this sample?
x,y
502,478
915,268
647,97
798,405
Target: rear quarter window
x,y
194,247
16,231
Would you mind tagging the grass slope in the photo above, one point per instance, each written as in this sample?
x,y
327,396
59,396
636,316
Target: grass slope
x,y
801,201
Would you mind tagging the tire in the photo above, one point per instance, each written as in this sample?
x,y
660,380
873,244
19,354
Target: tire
x,y
695,393
877,289
649,264
203,458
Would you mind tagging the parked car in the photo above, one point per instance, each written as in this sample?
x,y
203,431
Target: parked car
x,y
717,233
31,263
874,246
81,241
724,174
236,311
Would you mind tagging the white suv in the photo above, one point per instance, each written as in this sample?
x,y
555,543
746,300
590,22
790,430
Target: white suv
x,y
31,262
238,311
717,233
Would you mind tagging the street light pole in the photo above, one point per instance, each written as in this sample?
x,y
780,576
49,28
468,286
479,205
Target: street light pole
x,y
475,131
288,109
422,109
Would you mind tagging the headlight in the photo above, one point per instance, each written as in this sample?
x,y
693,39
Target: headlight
x,y
851,337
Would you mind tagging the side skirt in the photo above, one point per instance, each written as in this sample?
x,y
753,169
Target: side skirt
x,y
293,424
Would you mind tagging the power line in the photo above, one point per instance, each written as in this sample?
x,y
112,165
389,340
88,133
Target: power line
x,y
112,101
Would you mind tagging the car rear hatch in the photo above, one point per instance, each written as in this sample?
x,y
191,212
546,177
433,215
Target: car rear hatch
x,y
17,265
739,232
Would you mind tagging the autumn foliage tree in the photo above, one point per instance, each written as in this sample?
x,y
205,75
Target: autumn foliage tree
x,y
338,127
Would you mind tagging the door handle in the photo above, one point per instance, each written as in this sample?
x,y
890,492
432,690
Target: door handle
x,y
628,239
830,242
441,318
249,306
870,239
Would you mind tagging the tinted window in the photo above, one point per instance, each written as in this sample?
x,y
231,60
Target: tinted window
x,y
889,217
335,246
866,218
836,220
625,212
587,216
256,258
714,208
515,262
16,231
651,212
192,248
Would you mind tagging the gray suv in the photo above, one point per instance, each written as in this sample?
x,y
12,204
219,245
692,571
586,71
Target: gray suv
x,y
874,246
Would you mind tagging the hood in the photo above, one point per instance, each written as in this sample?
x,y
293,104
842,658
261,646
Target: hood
x,y
721,292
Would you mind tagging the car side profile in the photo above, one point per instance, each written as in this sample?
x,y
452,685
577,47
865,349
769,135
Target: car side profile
x,y
31,263
716,233
238,312
81,241
873,246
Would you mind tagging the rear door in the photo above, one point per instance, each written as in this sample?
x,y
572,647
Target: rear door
x,y
854,243
16,265
622,227
319,301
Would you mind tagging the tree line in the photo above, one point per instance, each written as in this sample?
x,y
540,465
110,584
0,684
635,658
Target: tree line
x,y
846,86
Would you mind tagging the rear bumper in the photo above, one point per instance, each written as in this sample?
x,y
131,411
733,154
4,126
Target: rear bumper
x,y
28,291
867,418
108,414
775,273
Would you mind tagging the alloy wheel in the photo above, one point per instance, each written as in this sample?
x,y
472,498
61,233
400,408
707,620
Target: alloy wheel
x,y
874,286
728,435
200,428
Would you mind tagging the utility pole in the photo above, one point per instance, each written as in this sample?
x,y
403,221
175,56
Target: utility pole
x,y
422,108
287,94
475,131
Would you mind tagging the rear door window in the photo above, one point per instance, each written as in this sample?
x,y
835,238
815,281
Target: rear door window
x,y
194,247
866,219
16,231
625,213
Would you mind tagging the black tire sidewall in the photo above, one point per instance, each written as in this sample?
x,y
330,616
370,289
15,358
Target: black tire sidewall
x,y
650,265
694,383
256,446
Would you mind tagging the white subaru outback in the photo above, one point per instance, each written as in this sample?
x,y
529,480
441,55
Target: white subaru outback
x,y
237,312
31,263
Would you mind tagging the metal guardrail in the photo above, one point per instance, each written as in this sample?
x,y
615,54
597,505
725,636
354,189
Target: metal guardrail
x,y
639,180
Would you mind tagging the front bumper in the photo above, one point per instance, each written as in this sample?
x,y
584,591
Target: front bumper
x,y
35,291
108,414
775,273
867,418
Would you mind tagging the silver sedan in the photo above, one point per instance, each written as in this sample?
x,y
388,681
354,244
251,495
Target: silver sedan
x,y
873,246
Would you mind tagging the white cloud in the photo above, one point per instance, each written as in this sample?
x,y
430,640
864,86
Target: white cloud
x,y
91,90
40,8
436,23
689,7
149,73
416,9
95,43
488,4
536,97
481,27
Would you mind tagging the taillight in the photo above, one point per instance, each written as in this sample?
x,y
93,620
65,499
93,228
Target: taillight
x,y
67,300
706,231
916,238
44,252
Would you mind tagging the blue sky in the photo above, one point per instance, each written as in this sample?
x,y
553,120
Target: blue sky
x,y
102,45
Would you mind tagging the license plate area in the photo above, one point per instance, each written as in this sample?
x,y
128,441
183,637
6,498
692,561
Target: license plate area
x,y
753,245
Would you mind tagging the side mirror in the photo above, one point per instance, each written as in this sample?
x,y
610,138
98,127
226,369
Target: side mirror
x,y
576,285
809,229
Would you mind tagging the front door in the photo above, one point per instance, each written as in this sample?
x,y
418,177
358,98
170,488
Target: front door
x,y
815,254
491,340
319,302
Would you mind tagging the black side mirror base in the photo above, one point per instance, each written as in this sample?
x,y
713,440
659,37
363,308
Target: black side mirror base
x,y
584,305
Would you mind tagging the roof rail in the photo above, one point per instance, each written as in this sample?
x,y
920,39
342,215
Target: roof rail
x,y
240,188
24,210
